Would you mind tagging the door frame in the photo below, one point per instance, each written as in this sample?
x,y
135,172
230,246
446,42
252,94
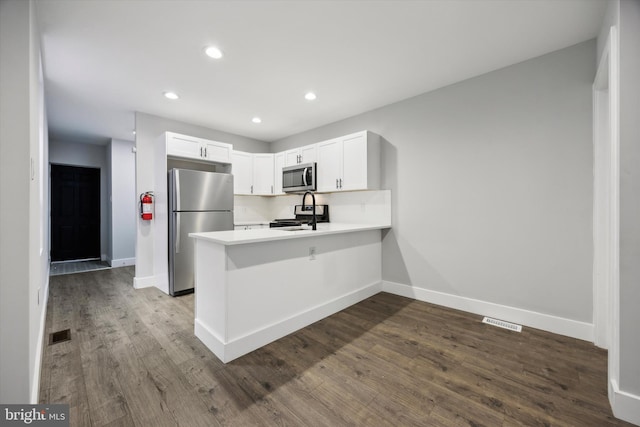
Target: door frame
x,y
606,206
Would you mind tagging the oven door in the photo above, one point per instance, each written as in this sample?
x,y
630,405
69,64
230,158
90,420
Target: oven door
x,y
299,178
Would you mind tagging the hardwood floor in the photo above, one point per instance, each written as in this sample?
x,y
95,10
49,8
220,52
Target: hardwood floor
x,y
133,361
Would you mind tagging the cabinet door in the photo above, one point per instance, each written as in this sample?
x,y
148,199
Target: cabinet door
x,y
354,162
309,153
278,163
292,157
329,165
263,174
217,151
242,164
183,146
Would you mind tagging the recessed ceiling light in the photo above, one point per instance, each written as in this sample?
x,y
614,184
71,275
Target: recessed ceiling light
x,y
213,52
133,132
171,95
310,96
256,120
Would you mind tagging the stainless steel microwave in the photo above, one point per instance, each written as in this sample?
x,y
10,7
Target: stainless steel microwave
x,y
298,178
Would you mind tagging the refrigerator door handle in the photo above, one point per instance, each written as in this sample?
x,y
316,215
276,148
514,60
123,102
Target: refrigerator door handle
x,y
176,191
177,232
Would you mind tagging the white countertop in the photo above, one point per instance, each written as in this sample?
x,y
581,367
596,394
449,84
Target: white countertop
x,y
241,223
240,237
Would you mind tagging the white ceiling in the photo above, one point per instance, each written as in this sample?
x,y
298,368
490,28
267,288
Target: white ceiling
x,y
105,59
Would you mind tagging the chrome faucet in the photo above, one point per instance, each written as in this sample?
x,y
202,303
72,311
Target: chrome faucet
x,y
313,217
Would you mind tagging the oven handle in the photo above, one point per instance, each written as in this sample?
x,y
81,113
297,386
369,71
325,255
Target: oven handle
x,y
304,177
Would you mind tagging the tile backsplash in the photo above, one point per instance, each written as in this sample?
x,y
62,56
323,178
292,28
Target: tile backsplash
x,y
347,207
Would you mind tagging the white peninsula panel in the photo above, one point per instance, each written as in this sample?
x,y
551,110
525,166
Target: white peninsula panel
x,y
254,287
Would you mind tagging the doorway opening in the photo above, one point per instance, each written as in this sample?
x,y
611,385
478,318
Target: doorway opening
x,y
75,213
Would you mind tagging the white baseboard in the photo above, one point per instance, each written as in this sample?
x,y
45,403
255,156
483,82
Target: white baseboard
x,y
35,385
148,281
625,406
122,262
546,322
227,351
210,339
144,282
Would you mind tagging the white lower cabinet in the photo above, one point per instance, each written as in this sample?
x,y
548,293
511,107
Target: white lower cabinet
x,y
253,173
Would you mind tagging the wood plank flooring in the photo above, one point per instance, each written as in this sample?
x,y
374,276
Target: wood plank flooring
x,y
133,361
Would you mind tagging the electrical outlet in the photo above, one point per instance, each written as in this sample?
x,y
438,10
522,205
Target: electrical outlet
x,y
312,253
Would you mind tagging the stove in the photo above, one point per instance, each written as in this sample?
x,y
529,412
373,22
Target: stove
x,y
278,223
303,217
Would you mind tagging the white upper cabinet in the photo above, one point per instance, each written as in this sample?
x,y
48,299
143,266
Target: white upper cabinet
x,y
191,147
306,154
253,173
329,165
183,146
351,162
309,153
242,169
278,164
217,151
263,174
292,157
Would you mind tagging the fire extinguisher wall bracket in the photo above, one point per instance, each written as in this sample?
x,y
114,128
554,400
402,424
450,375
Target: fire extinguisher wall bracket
x,y
146,206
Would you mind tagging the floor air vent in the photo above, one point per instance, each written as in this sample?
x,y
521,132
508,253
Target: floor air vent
x,y
60,336
502,324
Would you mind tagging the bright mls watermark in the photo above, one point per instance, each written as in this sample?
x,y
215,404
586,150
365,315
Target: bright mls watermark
x,y
34,415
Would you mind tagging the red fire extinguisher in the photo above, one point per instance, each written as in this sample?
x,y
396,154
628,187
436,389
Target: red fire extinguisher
x,y
146,206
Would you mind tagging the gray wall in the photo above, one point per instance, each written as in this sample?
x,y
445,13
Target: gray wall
x,y
630,198
149,130
24,274
152,127
92,156
123,201
491,183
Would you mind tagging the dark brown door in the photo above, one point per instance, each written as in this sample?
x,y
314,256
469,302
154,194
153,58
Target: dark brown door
x,y
75,213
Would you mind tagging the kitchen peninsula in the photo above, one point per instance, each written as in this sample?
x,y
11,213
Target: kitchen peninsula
x,y
256,286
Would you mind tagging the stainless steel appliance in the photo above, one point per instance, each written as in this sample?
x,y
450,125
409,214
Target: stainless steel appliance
x,y
299,178
198,202
302,217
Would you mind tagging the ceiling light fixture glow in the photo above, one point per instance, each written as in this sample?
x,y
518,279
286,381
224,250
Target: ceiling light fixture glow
x,y
256,120
171,95
310,96
213,52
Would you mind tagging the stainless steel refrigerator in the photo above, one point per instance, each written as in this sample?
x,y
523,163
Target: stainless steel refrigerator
x,y
198,202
